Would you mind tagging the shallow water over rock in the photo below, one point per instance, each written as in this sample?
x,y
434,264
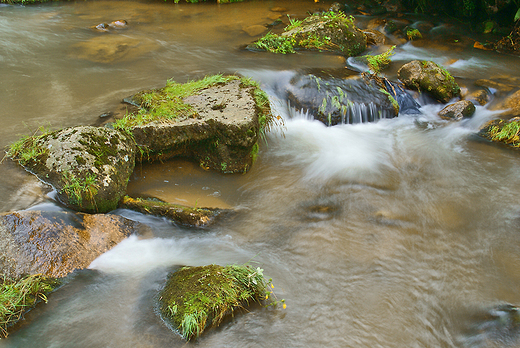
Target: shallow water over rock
x,y
385,234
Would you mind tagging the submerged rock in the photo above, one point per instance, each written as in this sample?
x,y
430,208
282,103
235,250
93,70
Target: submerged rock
x,y
112,48
187,216
335,100
511,105
56,243
196,298
497,325
88,166
431,78
216,121
457,111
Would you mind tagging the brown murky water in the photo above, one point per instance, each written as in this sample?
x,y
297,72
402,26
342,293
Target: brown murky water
x,y
377,235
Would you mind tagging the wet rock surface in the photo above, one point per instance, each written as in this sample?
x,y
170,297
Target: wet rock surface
x,y
183,215
457,111
334,99
56,243
431,78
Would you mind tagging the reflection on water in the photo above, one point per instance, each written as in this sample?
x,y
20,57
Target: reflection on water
x,y
391,234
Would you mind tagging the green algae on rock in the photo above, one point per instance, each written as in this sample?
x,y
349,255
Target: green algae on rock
x,y
196,298
187,216
429,77
216,120
88,166
327,31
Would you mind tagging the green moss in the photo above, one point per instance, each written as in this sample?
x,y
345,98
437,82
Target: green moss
x,y
166,104
392,100
19,296
413,34
195,298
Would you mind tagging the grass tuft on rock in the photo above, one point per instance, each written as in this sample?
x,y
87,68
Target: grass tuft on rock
x,y
196,298
507,132
27,148
18,296
166,104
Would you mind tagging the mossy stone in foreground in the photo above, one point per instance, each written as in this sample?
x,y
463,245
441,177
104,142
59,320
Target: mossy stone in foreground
x,y
195,298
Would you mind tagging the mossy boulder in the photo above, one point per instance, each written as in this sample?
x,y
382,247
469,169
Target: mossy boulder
x,y
216,121
183,215
458,110
54,244
88,166
327,31
431,78
505,132
196,298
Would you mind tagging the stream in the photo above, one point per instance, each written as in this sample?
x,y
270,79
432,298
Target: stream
x,y
397,233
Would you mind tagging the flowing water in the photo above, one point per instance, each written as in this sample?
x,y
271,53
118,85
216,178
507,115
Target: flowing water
x,y
389,234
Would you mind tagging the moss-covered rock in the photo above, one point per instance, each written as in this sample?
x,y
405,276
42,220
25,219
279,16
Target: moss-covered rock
x,y
54,244
88,166
503,131
327,31
187,216
429,77
216,120
195,298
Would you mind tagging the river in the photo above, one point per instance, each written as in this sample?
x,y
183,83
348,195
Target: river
x,y
387,234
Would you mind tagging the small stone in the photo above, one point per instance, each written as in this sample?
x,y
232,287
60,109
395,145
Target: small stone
x,y
458,110
255,30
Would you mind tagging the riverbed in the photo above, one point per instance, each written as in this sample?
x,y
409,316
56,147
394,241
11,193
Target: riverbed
x,y
385,234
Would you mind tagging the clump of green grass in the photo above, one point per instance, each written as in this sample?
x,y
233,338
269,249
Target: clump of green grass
x,y
166,104
379,62
27,148
506,132
18,296
75,188
195,298
276,44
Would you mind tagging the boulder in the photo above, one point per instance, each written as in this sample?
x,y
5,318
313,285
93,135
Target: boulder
x,y
457,111
327,31
480,96
335,99
429,77
54,244
216,121
196,298
183,215
88,166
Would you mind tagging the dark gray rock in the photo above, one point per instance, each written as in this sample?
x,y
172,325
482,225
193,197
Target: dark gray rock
x,y
457,111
